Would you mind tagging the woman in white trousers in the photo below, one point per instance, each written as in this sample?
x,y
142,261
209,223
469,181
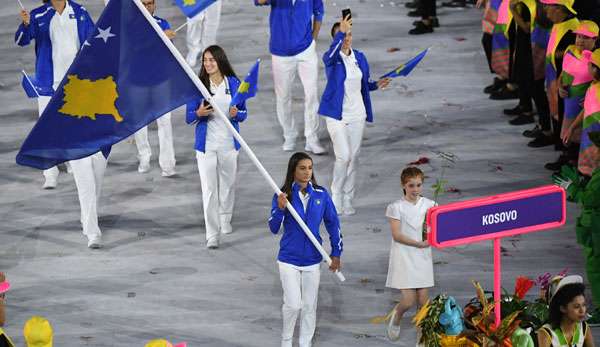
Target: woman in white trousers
x,y
298,260
216,149
347,105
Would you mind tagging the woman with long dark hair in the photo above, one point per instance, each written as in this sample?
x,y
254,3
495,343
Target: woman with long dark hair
x,y
567,326
216,149
298,260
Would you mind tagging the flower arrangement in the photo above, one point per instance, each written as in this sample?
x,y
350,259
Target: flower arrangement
x,y
440,183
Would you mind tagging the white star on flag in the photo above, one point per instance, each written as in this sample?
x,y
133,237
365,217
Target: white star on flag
x,y
104,34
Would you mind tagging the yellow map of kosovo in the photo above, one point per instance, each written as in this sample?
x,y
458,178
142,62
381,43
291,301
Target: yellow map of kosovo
x,y
87,98
189,2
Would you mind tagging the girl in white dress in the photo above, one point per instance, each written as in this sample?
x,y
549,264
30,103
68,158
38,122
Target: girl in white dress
x,y
410,268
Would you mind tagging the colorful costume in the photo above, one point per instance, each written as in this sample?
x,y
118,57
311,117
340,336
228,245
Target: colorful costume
x,y
539,40
500,40
576,77
588,223
557,34
589,154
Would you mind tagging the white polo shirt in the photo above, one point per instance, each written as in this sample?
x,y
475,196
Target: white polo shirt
x,y
218,136
65,42
353,108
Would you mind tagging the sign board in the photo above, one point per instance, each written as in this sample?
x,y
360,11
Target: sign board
x,y
497,216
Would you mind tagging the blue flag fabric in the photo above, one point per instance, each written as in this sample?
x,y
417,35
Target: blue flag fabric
x,y
406,68
248,87
191,8
123,78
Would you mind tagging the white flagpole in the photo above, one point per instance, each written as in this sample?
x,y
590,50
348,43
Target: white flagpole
x,y
21,4
33,85
181,26
237,136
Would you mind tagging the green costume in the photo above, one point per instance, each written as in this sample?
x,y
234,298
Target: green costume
x,y
587,194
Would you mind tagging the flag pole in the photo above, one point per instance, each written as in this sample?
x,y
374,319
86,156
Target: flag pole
x,y
235,134
33,85
21,4
181,26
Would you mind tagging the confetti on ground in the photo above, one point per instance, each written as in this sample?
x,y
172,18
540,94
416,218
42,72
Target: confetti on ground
x,y
460,39
393,49
420,161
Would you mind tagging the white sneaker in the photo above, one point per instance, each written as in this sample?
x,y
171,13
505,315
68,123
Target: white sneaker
x,y
50,183
226,228
144,167
95,242
289,145
212,244
348,209
314,146
168,173
393,331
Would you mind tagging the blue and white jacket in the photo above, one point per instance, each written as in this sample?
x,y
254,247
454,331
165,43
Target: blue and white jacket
x,y
295,248
202,122
292,24
332,100
39,30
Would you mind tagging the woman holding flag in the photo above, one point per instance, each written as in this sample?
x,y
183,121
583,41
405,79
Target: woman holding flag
x,y
346,104
216,149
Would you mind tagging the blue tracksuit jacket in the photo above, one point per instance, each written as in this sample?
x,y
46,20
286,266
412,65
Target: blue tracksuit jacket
x,y
333,97
291,24
295,248
202,122
39,30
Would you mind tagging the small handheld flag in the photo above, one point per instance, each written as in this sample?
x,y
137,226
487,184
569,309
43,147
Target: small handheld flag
x,y
191,8
406,68
248,87
29,86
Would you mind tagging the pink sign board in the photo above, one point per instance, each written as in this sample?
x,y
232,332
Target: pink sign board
x,y
497,216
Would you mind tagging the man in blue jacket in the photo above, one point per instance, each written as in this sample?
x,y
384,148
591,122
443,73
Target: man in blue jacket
x,y
59,28
295,25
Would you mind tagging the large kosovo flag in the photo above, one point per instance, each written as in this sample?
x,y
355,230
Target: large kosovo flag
x,y
124,77
191,8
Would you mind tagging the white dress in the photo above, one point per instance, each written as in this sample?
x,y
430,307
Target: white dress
x,y
410,267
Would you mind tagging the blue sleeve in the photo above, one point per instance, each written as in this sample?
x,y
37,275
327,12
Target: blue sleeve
x,y
268,3
190,114
333,53
332,224
25,34
165,25
318,10
242,113
276,216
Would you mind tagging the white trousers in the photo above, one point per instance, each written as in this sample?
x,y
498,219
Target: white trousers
x,y
88,173
217,178
202,30
346,138
51,173
300,293
305,64
166,157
